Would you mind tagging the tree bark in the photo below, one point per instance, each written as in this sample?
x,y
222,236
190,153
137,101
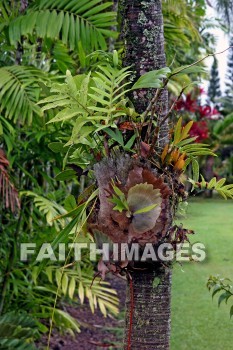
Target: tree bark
x,y
147,306
143,34
148,309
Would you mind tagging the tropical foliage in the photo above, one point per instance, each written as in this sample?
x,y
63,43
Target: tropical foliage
x,y
223,288
64,106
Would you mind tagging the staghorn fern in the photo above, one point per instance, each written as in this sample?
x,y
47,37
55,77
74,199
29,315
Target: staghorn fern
x,y
71,21
142,197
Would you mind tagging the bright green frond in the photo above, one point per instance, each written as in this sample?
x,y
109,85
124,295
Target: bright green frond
x,y
70,21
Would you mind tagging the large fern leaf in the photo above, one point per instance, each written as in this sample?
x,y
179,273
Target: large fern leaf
x,y
71,21
92,101
19,92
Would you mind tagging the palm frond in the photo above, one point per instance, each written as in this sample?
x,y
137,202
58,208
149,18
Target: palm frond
x,y
19,92
50,208
222,125
77,282
17,331
70,21
180,27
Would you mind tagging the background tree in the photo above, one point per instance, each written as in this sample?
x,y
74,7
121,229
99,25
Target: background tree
x,y
229,74
225,7
214,90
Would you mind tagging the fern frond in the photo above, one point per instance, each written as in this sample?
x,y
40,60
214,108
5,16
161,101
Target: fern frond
x,y
226,191
109,93
93,102
70,21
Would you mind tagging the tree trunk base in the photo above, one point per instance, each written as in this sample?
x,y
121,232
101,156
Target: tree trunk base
x,y
148,311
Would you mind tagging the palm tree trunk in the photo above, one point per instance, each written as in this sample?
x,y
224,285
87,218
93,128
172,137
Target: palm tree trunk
x,y
143,34
148,309
147,306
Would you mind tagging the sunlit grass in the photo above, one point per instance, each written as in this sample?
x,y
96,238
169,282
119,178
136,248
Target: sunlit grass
x,y
197,322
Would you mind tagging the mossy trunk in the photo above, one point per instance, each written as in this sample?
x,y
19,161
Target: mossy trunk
x,y
143,34
148,310
147,306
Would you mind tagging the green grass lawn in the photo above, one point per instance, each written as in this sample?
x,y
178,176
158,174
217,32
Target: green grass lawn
x,y
197,322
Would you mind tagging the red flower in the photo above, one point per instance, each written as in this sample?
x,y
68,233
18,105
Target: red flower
x,y
200,129
207,112
187,104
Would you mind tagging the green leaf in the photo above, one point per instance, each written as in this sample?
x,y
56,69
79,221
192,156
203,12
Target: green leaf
x,y
231,312
56,147
156,282
49,273
66,114
81,292
130,143
64,285
145,209
186,142
66,175
203,152
177,131
152,79
212,183
117,190
186,129
72,287
196,169
220,183
81,55
58,276
223,296
188,70
120,204
70,203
